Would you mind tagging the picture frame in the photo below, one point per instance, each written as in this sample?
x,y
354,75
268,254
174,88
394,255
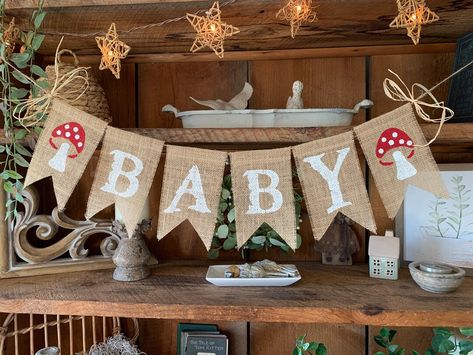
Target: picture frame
x,y
435,229
460,98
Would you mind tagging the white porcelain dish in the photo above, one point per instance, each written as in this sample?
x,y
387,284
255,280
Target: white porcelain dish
x,y
311,117
216,276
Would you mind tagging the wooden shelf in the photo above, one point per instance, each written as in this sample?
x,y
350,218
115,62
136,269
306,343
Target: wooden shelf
x,y
356,23
451,135
340,295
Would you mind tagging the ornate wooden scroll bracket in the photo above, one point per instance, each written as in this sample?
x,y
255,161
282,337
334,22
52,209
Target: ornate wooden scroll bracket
x,y
20,255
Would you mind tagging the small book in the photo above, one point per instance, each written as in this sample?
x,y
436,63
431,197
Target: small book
x,y
208,344
191,327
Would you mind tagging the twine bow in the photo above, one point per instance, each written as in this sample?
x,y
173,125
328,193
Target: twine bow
x,y
36,108
400,92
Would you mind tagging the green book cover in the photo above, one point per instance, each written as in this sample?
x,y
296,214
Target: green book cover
x,y
190,327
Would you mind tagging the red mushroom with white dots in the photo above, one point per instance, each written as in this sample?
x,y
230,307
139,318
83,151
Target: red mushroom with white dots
x,y
401,147
68,139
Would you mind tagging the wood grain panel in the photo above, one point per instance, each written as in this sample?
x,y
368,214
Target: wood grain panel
x,y
159,337
328,82
363,22
120,95
426,69
173,83
266,338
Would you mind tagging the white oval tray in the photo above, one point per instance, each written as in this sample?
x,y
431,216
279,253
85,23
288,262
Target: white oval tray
x,y
216,276
311,117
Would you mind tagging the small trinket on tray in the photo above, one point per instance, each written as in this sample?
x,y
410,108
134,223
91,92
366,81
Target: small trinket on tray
x,y
260,269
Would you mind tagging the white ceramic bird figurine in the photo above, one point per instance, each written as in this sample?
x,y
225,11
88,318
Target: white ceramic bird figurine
x,y
295,101
239,102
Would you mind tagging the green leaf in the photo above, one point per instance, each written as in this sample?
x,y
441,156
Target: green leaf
x,y
22,78
258,239
231,215
321,350
379,353
13,174
277,243
19,197
415,352
465,346
222,231
312,346
38,20
213,254
20,59
225,194
22,150
384,332
21,161
392,348
2,148
20,134
297,351
230,243
18,93
298,241
35,69
37,41
442,344
380,341
446,333
392,334
468,332
8,186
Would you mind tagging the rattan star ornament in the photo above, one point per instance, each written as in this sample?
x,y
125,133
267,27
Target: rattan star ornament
x,y
297,12
211,31
113,50
10,36
412,15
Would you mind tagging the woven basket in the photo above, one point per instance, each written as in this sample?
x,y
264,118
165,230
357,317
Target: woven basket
x,y
93,101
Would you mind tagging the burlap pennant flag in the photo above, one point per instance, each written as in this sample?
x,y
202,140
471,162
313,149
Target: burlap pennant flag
x,y
64,148
124,175
394,146
332,182
191,190
263,193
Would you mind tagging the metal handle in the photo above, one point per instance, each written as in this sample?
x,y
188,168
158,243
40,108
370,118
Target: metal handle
x,y
170,108
365,104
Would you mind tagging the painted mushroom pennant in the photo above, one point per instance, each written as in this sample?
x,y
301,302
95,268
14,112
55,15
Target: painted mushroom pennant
x,y
68,139
401,148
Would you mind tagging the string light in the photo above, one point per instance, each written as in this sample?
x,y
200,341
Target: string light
x,y
10,36
113,50
412,15
211,31
297,12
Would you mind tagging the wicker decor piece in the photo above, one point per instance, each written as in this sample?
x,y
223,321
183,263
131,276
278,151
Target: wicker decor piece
x,y
93,101
27,333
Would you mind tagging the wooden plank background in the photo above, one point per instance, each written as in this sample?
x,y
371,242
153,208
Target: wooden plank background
x,y
136,101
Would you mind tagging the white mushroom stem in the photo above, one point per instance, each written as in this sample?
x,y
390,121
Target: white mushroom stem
x,y
58,162
405,170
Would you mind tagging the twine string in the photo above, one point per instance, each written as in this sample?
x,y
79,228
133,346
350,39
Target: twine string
x,y
136,28
35,108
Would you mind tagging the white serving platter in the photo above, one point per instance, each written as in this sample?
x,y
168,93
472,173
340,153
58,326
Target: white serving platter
x,y
216,276
310,117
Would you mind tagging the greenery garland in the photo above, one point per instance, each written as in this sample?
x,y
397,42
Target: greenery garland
x,y
20,79
225,230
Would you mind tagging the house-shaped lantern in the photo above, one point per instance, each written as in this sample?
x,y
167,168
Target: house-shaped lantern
x,y
384,256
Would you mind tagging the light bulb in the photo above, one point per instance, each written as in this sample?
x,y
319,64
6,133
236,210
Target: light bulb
x,y
110,53
298,8
213,28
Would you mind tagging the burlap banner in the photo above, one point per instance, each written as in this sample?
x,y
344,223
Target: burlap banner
x,y
64,149
191,190
262,189
332,182
124,174
393,145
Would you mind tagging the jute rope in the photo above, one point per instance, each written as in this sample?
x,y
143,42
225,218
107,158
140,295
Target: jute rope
x,y
400,92
35,108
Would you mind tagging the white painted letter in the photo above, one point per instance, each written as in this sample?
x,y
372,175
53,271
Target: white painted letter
x,y
196,190
331,176
256,190
117,170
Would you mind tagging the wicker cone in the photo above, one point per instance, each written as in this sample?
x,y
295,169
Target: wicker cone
x,y
93,101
